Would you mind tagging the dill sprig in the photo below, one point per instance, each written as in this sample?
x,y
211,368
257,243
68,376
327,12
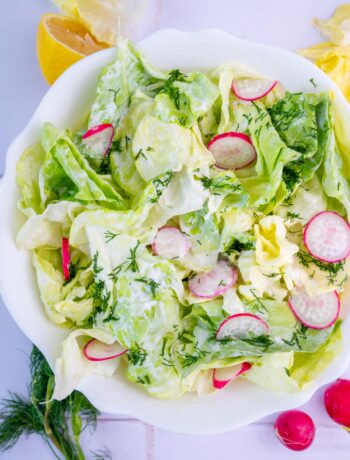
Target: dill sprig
x,y
133,261
261,341
332,269
187,359
59,423
220,184
140,154
258,304
109,236
160,184
153,285
238,246
291,216
137,355
116,271
299,333
172,91
95,268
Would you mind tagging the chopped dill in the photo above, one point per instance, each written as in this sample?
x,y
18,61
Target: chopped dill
x,y
115,92
133,262
95,268
187,359
172,91
239,246
258,302
332,269
220,184
109,236
291,216
160,184
116,271
137,355
140,154
312,81
261,341
153,285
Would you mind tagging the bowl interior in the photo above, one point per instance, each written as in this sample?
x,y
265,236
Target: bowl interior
x,y
66,104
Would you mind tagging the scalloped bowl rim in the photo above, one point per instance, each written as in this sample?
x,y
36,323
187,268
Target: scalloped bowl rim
x,y
70,96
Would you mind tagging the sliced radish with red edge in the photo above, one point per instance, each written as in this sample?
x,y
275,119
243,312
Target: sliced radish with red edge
x,y
242,325
99,139
215,282
317,312
95,350
232,150
327,237
224,375
65,258
252,89
170,243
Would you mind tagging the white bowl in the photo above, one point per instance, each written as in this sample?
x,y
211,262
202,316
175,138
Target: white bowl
x,y
65,104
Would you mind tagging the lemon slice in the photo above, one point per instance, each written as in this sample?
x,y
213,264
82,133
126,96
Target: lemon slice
x,y
62,41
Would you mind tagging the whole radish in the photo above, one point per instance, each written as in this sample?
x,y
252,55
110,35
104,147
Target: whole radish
x,y
295,429
337,402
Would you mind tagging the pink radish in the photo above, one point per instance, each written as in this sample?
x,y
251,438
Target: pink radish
x,y
224,375
65,258
337,402
317,312
95,350
232,150
295,429
215,282
241,325
170,243
99,138
327,237
251,89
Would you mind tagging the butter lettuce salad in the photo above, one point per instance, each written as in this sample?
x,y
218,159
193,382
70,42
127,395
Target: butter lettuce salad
x,y
194,230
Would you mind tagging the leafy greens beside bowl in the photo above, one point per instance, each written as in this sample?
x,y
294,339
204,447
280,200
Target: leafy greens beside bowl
x,y
146,249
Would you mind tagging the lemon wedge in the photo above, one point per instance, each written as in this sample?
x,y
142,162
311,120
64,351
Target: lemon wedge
x,y
62,41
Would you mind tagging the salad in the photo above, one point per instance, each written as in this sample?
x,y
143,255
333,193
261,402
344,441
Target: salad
x,y
193,230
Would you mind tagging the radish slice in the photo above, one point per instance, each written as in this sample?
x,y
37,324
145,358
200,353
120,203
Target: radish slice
x,y
95,350
251,89
170,243
211,284
327,237
224,375
316,312
232,150
65,258
241,325
99,138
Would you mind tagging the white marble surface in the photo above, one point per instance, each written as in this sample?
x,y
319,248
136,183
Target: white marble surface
x,y
284,23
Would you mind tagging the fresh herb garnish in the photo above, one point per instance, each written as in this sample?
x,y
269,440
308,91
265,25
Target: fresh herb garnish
x,y
160,184
153,285
259,306
291,216
332,269
261,341
115,92
133,261
172,91
312,81
299,333
140,154
239,246
59,423
145,380
105,165
187,359
109,236
137,355
220,184
95,268
115,272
